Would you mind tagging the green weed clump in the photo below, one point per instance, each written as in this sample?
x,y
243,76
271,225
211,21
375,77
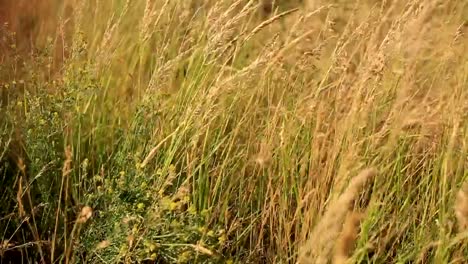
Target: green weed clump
x,y
236,132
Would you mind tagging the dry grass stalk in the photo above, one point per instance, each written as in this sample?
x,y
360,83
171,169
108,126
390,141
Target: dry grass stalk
x,y
320,246
22,213
19,198
268,22
154,150
66,170
106,47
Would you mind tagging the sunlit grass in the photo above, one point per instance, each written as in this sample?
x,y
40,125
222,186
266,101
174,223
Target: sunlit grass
x,y
222,132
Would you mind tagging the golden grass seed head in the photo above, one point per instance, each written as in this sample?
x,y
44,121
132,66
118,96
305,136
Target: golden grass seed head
x,y
461,207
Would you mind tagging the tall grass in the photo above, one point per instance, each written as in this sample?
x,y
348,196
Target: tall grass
x,y
237,132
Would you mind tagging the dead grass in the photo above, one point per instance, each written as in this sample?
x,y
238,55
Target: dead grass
x,y
235,131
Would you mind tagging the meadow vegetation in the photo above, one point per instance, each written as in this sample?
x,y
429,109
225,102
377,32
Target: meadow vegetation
x,y
234,131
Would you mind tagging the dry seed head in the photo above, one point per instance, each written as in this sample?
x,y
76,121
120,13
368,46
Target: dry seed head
x,y
171,176
103,244
85,214
263,158
202,249
320,247
461,207
66,170
346,242
148,17
182,192
19,198
129,219
459,33
5,244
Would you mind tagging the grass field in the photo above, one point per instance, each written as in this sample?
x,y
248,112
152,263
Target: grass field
x,y
227,131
